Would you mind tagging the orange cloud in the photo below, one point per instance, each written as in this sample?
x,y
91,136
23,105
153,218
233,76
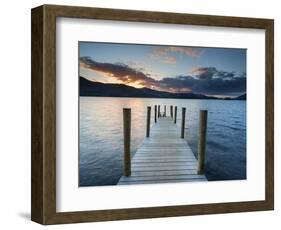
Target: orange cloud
x,y
170,60
163,54
122,72
188,51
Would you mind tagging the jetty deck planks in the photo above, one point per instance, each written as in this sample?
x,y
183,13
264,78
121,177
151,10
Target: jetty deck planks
x,y
164,157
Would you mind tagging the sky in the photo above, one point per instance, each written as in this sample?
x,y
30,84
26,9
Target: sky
x,y
210,71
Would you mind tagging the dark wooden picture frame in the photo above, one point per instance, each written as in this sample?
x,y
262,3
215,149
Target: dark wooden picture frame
x,y
43,197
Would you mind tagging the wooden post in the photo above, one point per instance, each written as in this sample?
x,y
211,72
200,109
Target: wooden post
x,y
175,117
202,141
148,121
165,111
155,113
171,111
182,122
127,140
158,110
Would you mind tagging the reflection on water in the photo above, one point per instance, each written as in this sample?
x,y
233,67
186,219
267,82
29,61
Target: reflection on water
x,y
101,140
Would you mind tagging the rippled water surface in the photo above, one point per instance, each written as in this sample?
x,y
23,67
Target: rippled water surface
x,y
101,137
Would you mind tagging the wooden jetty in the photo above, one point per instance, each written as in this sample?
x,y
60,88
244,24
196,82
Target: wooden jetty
x,y
164,156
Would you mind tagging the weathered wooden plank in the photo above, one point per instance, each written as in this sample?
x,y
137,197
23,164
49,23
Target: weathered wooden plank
x,y
162,177
158,164
164,151
147,168
166,156
159,173
159,153
165,147
175,160
150,159
156,155
162,181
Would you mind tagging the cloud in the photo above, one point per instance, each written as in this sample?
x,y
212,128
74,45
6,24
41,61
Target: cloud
x,y
203,80
204,72
122,72
164,54
169,60
225,75
214,86
211,72
187,51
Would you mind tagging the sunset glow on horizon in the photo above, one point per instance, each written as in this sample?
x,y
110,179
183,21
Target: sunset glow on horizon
x,y
175,69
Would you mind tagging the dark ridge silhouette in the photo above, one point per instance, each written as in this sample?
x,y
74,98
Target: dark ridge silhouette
x,y
242,97
98,89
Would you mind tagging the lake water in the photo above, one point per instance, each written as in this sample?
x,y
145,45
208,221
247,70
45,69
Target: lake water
x,y
101,136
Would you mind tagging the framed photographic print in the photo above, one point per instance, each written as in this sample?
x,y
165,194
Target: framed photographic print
x,y
148,114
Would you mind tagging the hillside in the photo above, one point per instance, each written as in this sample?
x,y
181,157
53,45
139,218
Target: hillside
x,y
98,89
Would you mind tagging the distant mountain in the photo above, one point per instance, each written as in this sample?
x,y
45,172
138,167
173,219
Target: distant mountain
x,y
98,89
241,97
